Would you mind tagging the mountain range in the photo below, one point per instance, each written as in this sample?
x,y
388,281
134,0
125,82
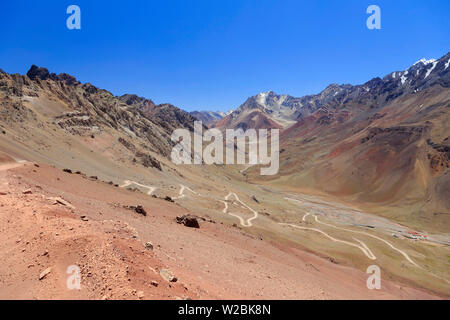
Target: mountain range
x,y
370,159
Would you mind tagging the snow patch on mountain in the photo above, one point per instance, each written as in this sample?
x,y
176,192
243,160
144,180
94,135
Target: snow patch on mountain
x,y
425,61
404,78
431,69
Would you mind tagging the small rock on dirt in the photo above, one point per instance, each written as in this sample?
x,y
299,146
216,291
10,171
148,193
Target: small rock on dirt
x,y
139,209
167,198
45,273
149,245
167,275
28,191
155,283
58,200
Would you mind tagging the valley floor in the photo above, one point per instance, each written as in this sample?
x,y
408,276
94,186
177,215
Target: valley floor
x,y
50,220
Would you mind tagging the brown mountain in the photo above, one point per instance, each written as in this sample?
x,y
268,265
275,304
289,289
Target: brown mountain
x,y
45,108
385,144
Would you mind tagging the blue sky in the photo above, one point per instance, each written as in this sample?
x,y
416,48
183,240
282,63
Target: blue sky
x,y
214,54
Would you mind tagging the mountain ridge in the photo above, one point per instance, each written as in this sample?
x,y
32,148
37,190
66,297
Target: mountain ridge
x,y
285,110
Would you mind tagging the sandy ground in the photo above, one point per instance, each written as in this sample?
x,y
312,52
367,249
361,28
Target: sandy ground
x,y
217,261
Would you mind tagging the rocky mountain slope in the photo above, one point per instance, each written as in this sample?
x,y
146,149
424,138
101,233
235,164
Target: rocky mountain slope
x,y
50,102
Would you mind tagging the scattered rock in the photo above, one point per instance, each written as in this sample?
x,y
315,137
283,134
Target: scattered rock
x,y
93,177
188,221
58,200
254,199
36,165
149,245
155,283
3,193
167,198
332,260
84,218
168,275
139,209
45,273
67,170
148,161
28,191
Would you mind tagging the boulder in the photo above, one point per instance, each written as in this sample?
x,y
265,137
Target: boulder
x,y
188,221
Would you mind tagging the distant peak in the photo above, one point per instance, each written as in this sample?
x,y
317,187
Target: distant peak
x,y
425,61
265,94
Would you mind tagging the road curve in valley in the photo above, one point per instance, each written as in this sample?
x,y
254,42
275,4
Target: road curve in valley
x,y
127,183
181,194
369,254
245,223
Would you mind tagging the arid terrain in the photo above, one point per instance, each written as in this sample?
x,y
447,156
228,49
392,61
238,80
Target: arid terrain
x,y
87,181
94,230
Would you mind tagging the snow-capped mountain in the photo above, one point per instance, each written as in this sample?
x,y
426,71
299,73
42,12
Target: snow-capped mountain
x,y
284,110
209,117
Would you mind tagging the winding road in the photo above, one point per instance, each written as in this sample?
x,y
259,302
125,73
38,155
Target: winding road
x,y
248,222
361,247
245,223
127,183
181,193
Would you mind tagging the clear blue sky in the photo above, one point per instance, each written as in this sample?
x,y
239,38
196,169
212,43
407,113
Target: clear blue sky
x,y
214,54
